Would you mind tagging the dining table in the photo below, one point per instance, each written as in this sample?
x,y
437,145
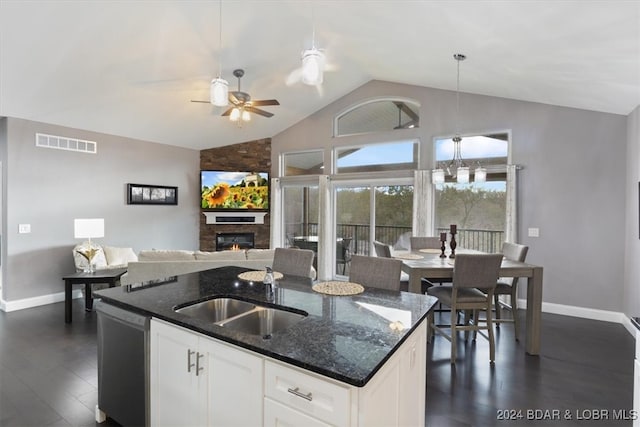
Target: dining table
x,y
429,264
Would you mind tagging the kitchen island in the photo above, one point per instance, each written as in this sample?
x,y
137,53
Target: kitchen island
x,y
351,360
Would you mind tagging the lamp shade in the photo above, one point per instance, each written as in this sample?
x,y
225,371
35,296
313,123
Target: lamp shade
x,y
235,115
312,67
462,175
88,228
480,174
219,95
437,176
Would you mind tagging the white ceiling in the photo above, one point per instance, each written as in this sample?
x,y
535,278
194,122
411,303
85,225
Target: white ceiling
x,y
130,68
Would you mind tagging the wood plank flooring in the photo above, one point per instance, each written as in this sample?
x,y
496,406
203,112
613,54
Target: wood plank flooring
x,y
48,373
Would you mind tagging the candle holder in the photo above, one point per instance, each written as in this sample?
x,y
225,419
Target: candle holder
x,y
453,244
443,241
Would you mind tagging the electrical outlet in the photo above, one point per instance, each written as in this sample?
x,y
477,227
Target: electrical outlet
x,y
24,228
534,232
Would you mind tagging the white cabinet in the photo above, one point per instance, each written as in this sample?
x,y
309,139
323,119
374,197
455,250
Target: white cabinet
x,y
636,383
198,381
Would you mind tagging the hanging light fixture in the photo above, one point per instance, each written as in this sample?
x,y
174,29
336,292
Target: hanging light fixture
x,y
219,91
457,168
313,61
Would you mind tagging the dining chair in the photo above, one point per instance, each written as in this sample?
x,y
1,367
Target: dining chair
x,y
376,272
474,279
381,249
294,262
509,286
418,243
343,252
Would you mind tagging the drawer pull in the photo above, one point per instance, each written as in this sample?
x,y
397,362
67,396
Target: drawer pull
x,y
296,391
189,364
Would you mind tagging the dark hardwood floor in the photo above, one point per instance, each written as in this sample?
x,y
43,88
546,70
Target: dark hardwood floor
x,y
48,373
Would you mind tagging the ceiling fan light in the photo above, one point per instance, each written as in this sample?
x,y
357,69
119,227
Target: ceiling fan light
x,y
312,67
480,174
219,95
246,117
437,176
463,175
235,115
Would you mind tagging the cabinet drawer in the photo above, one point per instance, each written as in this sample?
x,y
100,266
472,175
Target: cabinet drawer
x,y
322,399
279,415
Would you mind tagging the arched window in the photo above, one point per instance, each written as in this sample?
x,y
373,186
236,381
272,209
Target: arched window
x,y
378,115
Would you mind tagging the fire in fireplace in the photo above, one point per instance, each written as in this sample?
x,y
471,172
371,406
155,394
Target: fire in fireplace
x,y
234,241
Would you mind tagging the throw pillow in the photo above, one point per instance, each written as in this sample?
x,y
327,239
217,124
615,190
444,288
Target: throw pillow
x,y
166,255
119,256
221,256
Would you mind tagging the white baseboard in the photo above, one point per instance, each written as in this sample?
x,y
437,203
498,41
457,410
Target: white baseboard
x,y
21,304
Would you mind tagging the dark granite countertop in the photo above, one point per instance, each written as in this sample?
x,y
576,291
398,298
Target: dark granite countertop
x,y
636,322
341,337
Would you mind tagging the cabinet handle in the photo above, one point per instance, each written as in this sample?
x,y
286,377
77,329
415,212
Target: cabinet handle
x,y
296,392
189,364
198,368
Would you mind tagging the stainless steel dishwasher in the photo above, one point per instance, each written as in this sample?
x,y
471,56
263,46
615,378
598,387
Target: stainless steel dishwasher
x,y
123,367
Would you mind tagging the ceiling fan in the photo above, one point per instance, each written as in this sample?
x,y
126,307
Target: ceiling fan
x,y
242,101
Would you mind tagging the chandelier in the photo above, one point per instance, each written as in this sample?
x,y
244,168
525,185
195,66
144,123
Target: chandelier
x,y
457,168
219,90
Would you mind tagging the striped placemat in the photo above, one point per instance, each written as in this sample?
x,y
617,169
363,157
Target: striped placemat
x,y
430,251
408,256
336,287
258,276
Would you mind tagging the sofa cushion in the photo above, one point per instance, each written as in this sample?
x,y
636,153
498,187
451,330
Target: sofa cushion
x,y
166,255
221,256
266,254
119,256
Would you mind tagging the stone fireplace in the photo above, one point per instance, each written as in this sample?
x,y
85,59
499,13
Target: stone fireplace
x,y
234,241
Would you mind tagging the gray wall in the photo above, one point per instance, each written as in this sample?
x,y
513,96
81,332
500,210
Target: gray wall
x,y
632,243
572,185
48,188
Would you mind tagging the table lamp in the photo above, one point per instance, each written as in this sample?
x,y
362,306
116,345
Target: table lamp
x,y
86,228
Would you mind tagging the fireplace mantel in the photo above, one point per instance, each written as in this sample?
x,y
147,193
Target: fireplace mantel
x,y
234,217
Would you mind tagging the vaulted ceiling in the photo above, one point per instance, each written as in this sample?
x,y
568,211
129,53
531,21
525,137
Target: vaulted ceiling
x,y
130,68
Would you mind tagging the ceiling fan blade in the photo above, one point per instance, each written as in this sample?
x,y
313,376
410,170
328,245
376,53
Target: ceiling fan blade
x,y
258,111
264,102
226,113
205,102
233,98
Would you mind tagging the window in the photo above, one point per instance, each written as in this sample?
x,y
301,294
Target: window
x,y
400,155
378,115
303,163
478,208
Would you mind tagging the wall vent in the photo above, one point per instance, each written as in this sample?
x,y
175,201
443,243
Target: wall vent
x,y
64,143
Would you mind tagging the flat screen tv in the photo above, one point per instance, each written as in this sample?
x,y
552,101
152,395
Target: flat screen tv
x,y
234,191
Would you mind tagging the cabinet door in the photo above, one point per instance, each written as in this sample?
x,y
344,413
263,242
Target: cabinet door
x,y
175,398
279,415
413,379
636,394
234,385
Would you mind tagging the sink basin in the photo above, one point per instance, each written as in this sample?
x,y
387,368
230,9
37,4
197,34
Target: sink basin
x,y
262,321
217,309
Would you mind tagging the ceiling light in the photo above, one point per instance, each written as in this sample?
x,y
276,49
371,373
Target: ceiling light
x,y
245,116
480,174
312,67
235,115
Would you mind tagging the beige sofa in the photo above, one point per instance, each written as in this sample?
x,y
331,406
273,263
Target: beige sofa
x,y
159,264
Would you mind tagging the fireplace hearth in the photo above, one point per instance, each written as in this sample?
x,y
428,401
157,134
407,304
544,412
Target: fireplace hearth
x,y
234,241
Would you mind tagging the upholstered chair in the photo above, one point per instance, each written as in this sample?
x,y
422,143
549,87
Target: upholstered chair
x,y
474,279
381,249
418,243
294,262
376,272
509,286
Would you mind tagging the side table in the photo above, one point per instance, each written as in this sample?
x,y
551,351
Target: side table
x,y
110,277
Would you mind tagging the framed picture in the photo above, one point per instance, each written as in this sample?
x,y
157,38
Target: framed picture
x,y
143,194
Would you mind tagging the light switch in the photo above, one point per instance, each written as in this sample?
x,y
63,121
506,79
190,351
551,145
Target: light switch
x,y
534,232
24,228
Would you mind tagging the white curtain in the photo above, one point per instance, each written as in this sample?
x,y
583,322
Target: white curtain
x,y
326,235
422,203
276,214
511,224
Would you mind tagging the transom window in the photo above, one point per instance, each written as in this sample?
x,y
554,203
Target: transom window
x,y
401,155
378,115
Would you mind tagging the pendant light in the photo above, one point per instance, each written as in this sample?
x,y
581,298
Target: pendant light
x,y
219,93
313,61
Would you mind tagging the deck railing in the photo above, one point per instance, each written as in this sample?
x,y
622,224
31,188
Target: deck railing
x,y
468,238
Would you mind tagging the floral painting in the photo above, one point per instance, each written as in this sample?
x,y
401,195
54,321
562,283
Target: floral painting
x,y
234,190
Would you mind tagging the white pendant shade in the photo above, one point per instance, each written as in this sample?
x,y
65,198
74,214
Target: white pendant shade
x,y
235,115
462,175
480,174
312,67
219,95
246,116
437,176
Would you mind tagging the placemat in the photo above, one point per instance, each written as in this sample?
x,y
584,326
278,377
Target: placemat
x,y
336,287
408,256
258,276
430,251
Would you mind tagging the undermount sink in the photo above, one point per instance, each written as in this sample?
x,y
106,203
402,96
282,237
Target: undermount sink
x,y
242,316
262,321
216,309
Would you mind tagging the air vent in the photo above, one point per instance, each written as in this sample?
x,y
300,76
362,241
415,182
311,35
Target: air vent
x,y
64,143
